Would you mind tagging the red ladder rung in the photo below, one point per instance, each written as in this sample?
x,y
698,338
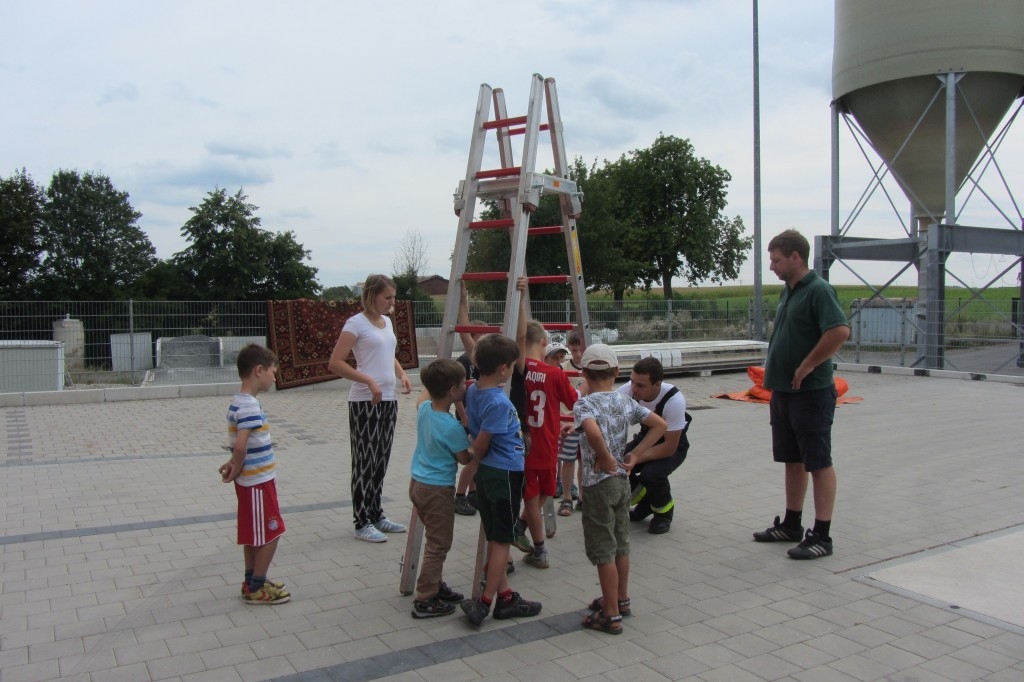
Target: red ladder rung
x,y
559,326
505,122
520,131
548,279
476,329
546,229
484,276
491,224
497,173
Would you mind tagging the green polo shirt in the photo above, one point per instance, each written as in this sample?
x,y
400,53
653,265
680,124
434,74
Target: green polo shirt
x,y
805,313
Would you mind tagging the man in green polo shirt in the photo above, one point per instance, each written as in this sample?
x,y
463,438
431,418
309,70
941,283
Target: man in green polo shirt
x,y
810,327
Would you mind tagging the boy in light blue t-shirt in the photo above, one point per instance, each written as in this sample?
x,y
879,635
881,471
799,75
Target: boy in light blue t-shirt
x,y
441,445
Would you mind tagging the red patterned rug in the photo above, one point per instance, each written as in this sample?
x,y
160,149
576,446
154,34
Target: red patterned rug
x,y
303,332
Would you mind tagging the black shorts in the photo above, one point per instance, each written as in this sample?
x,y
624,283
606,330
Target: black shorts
x,y
802,427
499,494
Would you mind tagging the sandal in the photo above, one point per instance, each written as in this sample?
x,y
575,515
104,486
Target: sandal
x,y
599,620
565,508
624,610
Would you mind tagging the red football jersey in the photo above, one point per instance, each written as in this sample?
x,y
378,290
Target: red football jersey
x,y
546,388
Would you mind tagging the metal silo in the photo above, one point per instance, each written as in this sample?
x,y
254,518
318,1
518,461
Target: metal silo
x,y
928,83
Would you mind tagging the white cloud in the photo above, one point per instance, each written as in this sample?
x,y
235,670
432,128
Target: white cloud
x,y
350,123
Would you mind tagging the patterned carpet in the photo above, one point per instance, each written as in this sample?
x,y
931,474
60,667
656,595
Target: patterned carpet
x,y
303,332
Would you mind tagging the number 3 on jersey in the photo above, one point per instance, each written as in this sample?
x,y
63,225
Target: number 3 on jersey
x,y
538,399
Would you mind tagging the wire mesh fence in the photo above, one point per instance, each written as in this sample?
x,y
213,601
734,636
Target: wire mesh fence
x,y
59,345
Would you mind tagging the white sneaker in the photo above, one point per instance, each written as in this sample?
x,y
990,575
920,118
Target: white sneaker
x,y
386,525
370,534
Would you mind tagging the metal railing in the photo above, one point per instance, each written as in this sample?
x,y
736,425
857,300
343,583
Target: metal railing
x,y
57,345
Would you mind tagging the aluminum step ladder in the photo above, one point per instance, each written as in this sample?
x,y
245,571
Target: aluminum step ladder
x,y
517,191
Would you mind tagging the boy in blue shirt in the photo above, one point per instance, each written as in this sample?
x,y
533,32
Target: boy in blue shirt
x,y
441,445
497,443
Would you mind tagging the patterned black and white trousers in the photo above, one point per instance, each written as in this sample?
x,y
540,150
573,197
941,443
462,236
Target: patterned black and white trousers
x,y
371,433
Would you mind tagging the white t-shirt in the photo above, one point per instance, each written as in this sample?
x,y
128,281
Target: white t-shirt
x,y
375,356
675,409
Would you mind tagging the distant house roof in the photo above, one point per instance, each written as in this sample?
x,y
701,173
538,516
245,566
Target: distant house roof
x,y
435,285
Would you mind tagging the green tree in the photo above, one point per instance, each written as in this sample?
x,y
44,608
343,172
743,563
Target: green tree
x,y
93,248
674,215
21,222
339,293
230,257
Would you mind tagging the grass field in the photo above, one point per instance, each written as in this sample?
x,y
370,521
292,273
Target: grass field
x,y
740,295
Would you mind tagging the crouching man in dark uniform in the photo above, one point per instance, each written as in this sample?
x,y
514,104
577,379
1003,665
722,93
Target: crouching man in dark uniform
x,y
652,493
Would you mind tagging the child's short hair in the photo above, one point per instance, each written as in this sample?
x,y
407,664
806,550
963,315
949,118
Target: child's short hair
x,y
573,338
253,356
600,374
494,350
442,375
651,368
535,333
373,285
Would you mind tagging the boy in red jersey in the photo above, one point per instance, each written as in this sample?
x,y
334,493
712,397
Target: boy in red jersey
x,y
546,388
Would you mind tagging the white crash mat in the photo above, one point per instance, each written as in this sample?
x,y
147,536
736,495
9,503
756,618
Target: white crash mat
x,y
984,577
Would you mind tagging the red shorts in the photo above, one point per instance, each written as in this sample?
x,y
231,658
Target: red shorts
x,y
259,517
537,482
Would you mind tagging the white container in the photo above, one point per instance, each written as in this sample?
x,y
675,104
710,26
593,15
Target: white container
x,y
131,352
27,366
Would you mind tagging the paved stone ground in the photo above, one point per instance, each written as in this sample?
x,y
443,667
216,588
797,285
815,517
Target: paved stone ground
x,y
117,559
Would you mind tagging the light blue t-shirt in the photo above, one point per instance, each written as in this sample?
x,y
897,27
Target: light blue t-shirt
x,y
439,436
490,410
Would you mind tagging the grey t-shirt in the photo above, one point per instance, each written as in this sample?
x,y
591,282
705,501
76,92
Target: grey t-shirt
x,y
615,414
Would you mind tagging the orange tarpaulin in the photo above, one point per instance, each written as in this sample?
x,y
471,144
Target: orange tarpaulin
x,y
759,394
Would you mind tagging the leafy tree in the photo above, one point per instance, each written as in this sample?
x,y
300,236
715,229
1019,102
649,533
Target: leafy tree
x,y
230,257
340,293
674,216
21,222
93,248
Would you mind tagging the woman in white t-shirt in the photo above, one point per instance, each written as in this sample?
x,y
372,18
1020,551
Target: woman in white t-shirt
x,y
372,403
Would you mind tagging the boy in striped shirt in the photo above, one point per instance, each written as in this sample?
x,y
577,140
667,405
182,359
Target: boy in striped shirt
x,y
251,468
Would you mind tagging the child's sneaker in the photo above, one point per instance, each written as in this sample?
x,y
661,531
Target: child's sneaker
x,y
522,541
517,607
267,594
245,586
476,611
463,507
447,594
536,560
432,608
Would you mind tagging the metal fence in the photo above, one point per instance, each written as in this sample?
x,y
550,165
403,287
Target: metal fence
x,y
47,345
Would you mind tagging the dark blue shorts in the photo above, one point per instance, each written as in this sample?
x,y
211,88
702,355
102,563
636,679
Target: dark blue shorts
x,y
802,427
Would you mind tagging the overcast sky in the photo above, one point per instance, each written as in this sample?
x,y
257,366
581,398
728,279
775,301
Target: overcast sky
x,y
349,123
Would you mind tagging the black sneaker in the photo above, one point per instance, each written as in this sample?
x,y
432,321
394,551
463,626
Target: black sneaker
x,y
779,533
516,608
660,524
463,507
471,496
431,608
813,547
447,594
476,611
640,512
